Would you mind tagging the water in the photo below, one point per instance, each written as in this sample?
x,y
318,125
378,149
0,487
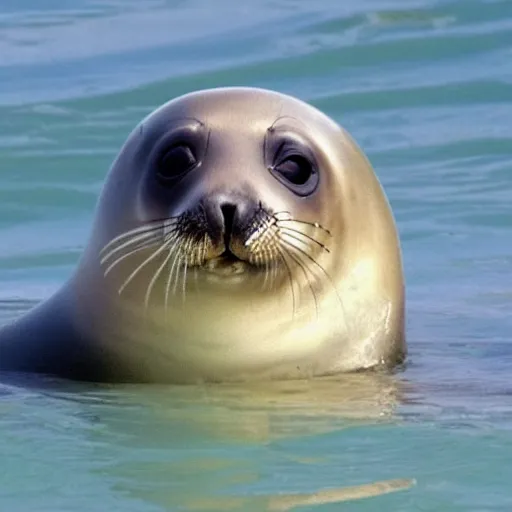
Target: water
x,y
426,90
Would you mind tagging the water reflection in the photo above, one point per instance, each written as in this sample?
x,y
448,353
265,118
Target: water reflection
x,y
223,447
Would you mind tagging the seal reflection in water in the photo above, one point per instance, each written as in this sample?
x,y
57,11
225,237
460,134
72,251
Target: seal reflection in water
x,y
241,235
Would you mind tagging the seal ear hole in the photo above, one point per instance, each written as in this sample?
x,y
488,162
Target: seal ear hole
x,y
175,162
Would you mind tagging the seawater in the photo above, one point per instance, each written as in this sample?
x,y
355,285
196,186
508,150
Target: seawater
x,y
425,87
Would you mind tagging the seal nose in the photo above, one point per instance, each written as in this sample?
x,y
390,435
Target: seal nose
x,y
228,211
226,215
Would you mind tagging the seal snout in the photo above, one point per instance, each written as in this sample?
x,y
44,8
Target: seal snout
x,y
227,217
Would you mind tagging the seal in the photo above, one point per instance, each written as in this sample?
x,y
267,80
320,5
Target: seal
x,y
241,234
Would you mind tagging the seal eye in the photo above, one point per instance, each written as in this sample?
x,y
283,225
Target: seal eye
x,y
176,162
291,158
297,169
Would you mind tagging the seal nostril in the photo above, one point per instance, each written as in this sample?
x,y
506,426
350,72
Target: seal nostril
x,y
228,214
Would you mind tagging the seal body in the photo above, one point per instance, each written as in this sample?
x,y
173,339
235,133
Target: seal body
x,y
241,234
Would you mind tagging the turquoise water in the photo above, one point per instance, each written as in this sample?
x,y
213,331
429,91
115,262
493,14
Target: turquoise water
x,y
427,92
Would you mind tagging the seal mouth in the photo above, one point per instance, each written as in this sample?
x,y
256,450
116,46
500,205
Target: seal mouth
x,y
227,264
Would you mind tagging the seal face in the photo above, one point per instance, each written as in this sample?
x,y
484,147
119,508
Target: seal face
x,y
241,234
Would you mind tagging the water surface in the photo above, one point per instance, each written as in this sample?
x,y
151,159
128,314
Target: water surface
x,y
426,91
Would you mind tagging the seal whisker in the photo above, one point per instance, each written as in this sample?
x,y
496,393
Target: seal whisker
x,y
269,250
290,278
292,233
127,237
267,271
136,239
312,224
288,214
303,267
301,251
201,256
146,244
274,274
181,266
158,251
184,282
265,256
204,247
176,253
157,274
146,229
177,275
298,221
185,268
178,270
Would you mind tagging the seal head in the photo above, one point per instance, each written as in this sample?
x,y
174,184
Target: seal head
x,y
241,234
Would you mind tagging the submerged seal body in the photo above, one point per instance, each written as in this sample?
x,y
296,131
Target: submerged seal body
x,y
241,234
